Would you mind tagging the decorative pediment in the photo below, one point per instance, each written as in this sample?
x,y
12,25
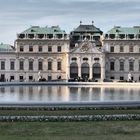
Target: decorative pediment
x,y
86,47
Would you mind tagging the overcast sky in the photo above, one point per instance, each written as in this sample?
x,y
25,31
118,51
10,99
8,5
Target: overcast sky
x,y
18,15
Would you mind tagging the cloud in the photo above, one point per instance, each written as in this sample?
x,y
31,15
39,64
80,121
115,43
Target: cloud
x,y
17,15
102,1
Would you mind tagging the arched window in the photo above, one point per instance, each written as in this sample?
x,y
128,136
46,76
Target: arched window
x,y
121,48
112,64
131,65
73,70
96,70
85,70
121,65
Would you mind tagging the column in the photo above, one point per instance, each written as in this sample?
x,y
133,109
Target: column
x,y
44,37
67,70
90,72
79,70
103,68
63,36
26,35
90,37
102,73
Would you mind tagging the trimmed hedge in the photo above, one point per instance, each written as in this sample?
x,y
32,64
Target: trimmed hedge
x,y
69,108
69,118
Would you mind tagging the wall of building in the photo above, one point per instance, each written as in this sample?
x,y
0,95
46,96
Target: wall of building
x,y
131,53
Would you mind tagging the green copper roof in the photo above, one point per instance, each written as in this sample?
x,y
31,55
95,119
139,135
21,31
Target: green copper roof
x,y
44,30
87,28
6,48
124,30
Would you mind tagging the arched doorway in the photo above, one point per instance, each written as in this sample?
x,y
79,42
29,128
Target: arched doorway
x,y
73,70
96,71
85,70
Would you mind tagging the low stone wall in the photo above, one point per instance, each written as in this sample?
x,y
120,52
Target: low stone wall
x,y
122,117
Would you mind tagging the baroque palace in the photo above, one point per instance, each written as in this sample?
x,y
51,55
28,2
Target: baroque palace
x,y
86,54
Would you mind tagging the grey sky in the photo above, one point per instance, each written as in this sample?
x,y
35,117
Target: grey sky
x,y
18,15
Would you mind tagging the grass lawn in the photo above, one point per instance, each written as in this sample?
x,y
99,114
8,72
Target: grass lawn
x,y
105,130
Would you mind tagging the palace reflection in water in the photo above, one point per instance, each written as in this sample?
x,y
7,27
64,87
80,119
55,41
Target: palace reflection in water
x,y
46,94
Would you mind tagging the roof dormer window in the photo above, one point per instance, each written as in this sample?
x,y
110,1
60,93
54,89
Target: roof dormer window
x,y
130,36
122,36
30,36
40,36
21,36
112,36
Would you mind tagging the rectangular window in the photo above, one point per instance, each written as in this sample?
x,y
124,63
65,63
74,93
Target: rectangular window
x,y
12,65
40,65
21,78
121,49
58,65
12,78
121,78
121,66
49,78
2,65
40,48
49,48
30,48
30,78
49,65
21,49
112,67
112,77
30,65
131,66
112,49
21,65
130,48
58,48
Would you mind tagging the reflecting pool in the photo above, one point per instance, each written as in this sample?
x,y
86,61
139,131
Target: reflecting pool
x,y
47,94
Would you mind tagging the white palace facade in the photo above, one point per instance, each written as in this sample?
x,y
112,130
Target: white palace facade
x,y
86,54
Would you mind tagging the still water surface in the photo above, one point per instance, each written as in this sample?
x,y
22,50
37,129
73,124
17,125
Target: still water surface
x,y
47,94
